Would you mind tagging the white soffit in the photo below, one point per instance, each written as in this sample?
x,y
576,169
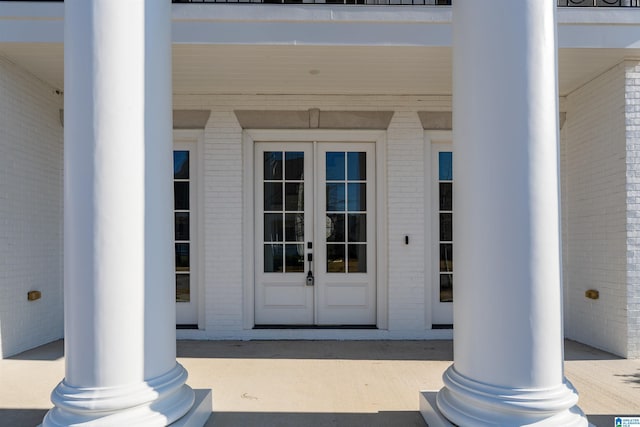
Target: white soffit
x,y
319,49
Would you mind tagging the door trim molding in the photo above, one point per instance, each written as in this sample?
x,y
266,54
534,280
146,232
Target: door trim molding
x,y
252,136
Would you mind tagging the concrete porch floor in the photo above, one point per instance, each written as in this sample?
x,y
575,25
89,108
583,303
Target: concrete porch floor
x,y
320,383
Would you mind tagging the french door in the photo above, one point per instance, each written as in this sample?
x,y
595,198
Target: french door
x,y
315,233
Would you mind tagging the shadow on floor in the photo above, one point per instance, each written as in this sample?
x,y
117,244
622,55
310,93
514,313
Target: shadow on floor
x,y
574,350
47,352
631,379
287,419
436,350
21,417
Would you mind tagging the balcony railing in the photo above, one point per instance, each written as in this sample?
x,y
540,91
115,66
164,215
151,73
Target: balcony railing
x,y
349,2
561,3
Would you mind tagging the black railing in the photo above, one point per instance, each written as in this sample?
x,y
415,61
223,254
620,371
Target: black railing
x,y
561,3
599,3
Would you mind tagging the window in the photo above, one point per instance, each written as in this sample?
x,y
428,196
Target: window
x,y
445,224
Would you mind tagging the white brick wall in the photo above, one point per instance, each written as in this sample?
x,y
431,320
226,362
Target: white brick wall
x,y
632,127
406,216
594,197
223,222
30,211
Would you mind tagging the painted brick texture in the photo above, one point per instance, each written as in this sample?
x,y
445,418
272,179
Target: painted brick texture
x,y
594,200
632,128
31,157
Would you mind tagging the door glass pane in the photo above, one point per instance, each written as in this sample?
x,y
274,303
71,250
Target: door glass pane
x,y
446,288
273,227
357,227
335,166
294,258
180,165
182,257
357,258
294,196
183,288
181,195
445,159
272,196
357,197
294,166
273,258
336,259
446,196
335,197
273,165
446,257
446,228
181,225
294,227
356,166
335,227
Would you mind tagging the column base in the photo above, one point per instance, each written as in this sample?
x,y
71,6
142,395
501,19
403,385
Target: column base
x,y
157,402
200,412
466,402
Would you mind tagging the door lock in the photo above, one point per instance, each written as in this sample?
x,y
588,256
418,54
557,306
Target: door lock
x,y
310,278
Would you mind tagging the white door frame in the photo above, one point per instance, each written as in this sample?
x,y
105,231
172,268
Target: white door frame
x,y
249,138
438,139
194,140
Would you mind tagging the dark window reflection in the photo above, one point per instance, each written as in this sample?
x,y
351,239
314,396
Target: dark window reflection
x,y
356,166
294,166
181,195
446,257
335,228
181,226
446,196
272,196
273,227
273,258
182,257
357,227
294,227
357,196
336,259
446,288
183,288
294,258
272,165
357,258
446,227
294,196
335,197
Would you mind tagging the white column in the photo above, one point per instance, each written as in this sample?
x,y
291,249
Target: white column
x,y
508,365
119,292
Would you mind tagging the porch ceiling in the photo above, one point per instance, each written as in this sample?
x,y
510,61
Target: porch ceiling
x,y
295,69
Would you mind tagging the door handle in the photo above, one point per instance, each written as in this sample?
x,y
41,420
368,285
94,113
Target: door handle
x,y
309,273
310,278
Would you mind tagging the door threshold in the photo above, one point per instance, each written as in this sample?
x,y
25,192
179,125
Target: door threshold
x,y
315,327
184,326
